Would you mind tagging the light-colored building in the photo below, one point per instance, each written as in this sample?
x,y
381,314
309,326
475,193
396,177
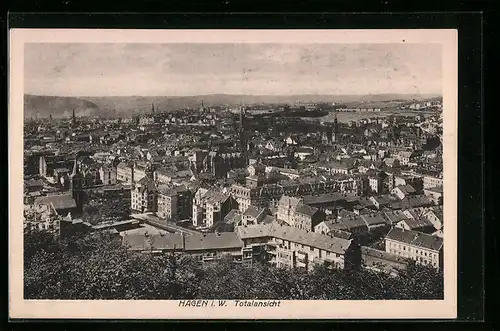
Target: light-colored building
x,y
286,209
144,196
125,173
296,248
420,247
167,202
210,207
430,181
107,175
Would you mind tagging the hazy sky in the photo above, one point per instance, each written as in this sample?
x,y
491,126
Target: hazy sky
x,y
194,69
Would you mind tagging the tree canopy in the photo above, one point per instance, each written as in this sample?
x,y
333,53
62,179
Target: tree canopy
x,y
97,266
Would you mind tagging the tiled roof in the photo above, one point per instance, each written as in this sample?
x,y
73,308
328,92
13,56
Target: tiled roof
x,y
224,240
324,242
415,238
306,210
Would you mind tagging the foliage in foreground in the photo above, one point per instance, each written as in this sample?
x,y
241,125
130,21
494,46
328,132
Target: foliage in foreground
x,y
96,266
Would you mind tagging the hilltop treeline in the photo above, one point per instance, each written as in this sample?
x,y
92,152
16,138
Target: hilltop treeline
x,y
96,266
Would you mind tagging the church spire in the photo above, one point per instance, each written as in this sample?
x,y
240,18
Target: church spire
x,y
73,118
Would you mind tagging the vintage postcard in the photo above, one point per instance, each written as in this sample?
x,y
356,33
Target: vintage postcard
x,y
233,174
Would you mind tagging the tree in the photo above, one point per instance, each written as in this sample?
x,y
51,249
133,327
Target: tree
x,y
97,266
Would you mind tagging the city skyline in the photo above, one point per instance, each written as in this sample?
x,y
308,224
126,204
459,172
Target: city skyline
x,y
80,70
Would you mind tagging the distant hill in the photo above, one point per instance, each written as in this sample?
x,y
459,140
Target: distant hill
x,y
44,106
127,105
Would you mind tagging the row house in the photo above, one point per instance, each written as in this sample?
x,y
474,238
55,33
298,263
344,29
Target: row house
x,y
420,247
431,181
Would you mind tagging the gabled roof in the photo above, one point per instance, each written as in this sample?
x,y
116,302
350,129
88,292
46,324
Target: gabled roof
x,y
306,210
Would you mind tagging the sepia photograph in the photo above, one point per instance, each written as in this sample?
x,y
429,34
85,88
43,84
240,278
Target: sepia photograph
x,y
232,174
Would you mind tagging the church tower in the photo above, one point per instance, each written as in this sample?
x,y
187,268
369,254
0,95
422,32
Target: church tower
x,y
77,183
335,129
73,118
242,137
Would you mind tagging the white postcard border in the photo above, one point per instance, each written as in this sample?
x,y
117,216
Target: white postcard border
x,y
102,309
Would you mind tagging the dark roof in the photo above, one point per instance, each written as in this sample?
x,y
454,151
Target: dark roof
x,y
354,222
147,183
428,241
418,223
306,210
324,198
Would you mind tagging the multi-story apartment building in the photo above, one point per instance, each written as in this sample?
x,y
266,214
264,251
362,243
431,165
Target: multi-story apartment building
x,y
298,248
420,247
125,172
210,207
430,181
167,202
107,175
306,217
286,209
144,196
130,172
